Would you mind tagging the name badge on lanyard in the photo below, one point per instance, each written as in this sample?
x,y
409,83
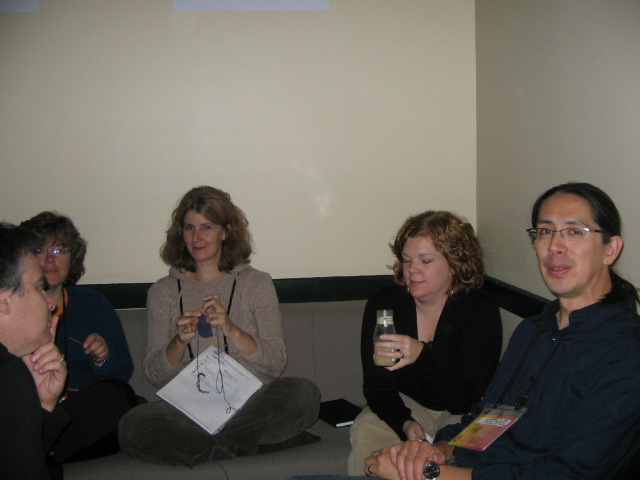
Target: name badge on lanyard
x,y
487,427
497,418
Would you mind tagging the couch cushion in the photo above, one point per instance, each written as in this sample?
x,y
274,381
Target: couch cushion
x,y
323,343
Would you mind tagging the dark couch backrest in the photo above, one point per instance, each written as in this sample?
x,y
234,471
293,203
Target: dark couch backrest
x,y
323,344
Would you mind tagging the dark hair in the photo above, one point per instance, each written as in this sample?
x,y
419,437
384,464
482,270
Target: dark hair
x,y
605,214
217,207
15,244
52,228
454,238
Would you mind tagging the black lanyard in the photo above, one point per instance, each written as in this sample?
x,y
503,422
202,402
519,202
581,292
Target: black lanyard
x,y
226,345
536,378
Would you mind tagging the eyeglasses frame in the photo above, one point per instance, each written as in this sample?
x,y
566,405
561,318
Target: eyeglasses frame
x,y
534,231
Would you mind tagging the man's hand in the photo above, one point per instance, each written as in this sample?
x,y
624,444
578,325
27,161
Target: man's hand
x,y
49,371
379,464
409,458
406,461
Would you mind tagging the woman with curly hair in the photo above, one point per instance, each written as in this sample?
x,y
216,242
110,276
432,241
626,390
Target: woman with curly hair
x,y
447,342
212,296
90,336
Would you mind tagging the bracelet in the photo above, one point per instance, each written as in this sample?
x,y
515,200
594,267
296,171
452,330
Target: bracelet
x,y
99,363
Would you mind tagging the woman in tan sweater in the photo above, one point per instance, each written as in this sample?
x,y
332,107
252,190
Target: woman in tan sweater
x,y
212,296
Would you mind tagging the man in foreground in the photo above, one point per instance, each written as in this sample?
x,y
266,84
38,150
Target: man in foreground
x,y
32,371
565,398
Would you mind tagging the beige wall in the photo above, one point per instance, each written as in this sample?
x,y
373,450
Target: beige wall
x,y
327,128
558,100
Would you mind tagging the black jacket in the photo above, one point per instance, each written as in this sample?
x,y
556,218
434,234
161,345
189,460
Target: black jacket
x,y
451,373
27,431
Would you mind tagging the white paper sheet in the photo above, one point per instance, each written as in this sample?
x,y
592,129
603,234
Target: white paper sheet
x,y
229,386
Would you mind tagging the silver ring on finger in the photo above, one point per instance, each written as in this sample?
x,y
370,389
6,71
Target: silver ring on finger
x,y
401,354
185,331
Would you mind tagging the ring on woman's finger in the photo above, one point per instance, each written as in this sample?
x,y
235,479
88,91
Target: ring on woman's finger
x,y
369,472
185,331
401,354
61,358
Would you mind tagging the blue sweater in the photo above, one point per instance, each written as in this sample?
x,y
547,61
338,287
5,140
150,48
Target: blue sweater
x,y
583,415
89,312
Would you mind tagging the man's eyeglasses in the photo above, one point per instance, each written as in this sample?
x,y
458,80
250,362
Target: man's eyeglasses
x,y
53,251
574,234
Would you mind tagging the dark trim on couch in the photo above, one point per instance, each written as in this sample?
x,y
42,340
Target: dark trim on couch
x,y
513,299
326,289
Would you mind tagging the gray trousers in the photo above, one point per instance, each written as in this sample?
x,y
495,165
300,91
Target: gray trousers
x,y
277,413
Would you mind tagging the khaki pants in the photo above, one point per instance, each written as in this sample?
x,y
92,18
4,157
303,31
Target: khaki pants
x,y
369,433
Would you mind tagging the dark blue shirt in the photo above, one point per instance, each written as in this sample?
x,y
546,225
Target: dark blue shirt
x,y
583,415
89,312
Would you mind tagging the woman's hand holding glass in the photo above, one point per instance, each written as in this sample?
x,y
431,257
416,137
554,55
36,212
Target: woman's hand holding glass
x,y
405,348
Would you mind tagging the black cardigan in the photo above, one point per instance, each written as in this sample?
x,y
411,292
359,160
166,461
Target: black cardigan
x,y
451,373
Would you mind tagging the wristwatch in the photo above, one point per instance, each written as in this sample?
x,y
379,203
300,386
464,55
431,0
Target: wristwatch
x,y
431,471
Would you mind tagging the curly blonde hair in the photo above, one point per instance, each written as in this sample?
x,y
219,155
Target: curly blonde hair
x,y
453,237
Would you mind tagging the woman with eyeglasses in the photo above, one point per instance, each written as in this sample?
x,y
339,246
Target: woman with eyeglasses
x,y
213,296
91,338
447,342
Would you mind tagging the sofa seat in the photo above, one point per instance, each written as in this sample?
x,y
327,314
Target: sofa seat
x,y
323,344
